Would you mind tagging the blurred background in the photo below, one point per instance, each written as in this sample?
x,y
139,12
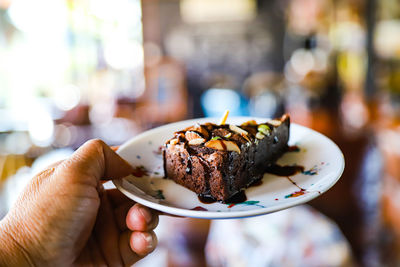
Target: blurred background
x,y
72,70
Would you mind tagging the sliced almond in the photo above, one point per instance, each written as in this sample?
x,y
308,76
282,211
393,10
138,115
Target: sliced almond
x,y
285,117
223,145
232,146
198,128
173,141
264,129
247,123
260,135
238,130
275,123
190,135
216,144
197,141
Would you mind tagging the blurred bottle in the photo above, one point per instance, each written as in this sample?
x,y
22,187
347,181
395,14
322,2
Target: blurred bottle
x,y
265,93
386,122
325,74
387,129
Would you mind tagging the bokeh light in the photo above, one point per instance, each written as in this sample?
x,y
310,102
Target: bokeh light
x,y
216,101
67,97
40,126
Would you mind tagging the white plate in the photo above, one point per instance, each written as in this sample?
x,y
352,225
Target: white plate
x,y
322,159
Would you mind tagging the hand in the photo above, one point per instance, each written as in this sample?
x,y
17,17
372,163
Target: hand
x,y
65,217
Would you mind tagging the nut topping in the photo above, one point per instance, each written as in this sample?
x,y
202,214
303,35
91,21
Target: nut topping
x,y
264,129
228,135
190,135
197,141
173,141
275,123
238,130
232,146
216,144
198,128
249,123
223,145
259,135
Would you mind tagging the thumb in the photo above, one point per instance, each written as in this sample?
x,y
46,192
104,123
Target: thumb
x,y
92,162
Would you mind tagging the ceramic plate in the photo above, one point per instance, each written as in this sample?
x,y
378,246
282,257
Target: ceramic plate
x,y
322,160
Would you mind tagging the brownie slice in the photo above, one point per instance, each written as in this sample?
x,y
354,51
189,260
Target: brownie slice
x,y
219,161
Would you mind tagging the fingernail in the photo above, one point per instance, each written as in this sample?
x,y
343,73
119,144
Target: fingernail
x,y
146,214
149,240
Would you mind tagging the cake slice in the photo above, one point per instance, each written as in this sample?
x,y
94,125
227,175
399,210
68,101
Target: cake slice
x,y
219,161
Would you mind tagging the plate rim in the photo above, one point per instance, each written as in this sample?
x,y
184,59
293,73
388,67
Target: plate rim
x,y
231,214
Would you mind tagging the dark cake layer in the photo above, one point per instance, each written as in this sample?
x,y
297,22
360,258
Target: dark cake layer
x,y
220,160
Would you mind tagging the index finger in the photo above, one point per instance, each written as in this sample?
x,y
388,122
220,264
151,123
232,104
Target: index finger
x,y
94,161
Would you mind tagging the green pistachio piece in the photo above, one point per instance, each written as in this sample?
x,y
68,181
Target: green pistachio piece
x,y
264,129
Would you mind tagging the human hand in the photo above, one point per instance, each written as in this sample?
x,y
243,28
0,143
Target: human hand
x,y
65,217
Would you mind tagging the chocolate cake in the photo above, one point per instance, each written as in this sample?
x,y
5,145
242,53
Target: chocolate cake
x,y
219,161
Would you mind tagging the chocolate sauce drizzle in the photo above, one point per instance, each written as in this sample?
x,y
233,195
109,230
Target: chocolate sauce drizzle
x,y
294,183
206,199
235,199
287,170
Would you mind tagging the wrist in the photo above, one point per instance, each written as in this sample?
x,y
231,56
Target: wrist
x,y
11,253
